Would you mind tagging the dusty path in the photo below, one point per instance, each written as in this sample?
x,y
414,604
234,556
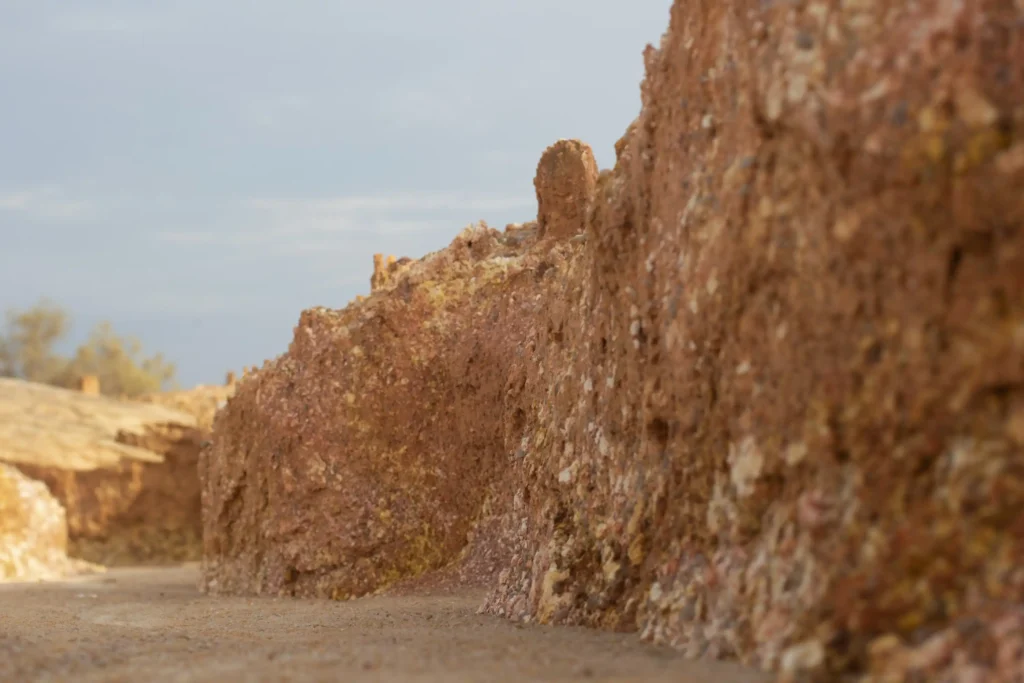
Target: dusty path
x,y
152,625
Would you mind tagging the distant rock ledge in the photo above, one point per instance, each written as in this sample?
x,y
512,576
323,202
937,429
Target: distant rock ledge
x,y
124,471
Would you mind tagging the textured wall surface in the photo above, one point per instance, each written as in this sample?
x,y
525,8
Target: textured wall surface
x,y
769,404
789,425
365,453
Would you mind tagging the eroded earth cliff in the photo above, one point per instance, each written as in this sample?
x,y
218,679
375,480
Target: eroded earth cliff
x,y
762,398
124,472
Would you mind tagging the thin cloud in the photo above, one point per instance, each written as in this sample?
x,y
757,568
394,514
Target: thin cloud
x,y
45,203
407,201
254,237
105,22
190,238
187,303
271,112
408,227
381,214
443,107
313,224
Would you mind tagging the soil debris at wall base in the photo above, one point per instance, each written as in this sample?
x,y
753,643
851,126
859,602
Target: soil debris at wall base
x,y
762,401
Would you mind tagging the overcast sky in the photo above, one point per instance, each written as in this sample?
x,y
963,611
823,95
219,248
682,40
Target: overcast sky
x,y
199,171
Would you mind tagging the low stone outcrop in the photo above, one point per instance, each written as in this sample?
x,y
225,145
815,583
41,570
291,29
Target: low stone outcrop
x,y
565,182
767,406
384,270
125,472
33,530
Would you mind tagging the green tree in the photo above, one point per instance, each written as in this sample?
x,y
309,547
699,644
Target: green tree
x,y
26,347
119,363
27,352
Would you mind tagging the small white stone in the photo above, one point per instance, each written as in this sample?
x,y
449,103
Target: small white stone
x,y
805,656
795,453
797,89
877,91
963,452
565,476
773,104
746,463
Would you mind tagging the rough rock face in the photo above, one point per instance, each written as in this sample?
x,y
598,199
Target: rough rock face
x,y
366,453
790,430
125,472
33,530
565,182
770,408
384,270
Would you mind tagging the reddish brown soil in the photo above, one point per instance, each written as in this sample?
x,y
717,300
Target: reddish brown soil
x,y
152,625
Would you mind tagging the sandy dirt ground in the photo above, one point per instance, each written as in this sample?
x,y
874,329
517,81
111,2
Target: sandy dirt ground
x,y
152,625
